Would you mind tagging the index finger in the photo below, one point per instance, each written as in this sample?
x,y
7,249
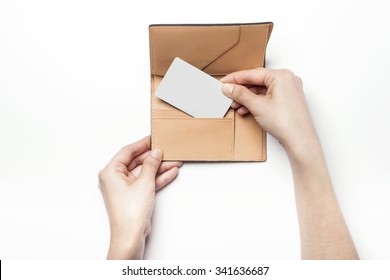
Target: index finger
x,y
257,76
129,152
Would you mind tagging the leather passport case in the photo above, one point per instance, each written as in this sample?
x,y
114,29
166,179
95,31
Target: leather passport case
x,y
217,49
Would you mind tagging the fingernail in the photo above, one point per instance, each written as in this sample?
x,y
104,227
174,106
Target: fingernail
x,y
156,153
222,79
227,89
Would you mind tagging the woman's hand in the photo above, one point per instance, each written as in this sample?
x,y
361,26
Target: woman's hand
x,y
276,100
128,184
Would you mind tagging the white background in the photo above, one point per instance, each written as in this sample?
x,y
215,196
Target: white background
x,y
74,88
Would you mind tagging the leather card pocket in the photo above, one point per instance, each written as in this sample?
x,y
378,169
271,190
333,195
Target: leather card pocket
x,y
194,139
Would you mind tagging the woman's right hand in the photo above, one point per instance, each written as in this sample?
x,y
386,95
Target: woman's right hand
x,y
276,100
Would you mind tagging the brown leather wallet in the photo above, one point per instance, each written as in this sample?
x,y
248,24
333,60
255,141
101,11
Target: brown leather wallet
x,y
217,49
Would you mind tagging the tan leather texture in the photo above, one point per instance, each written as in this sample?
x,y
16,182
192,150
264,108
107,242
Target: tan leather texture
x,y
217,50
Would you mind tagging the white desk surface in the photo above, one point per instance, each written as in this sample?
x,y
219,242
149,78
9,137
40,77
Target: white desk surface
x,y
74,88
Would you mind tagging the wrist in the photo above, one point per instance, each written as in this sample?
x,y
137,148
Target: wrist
x,y
126,245
308,166
303,149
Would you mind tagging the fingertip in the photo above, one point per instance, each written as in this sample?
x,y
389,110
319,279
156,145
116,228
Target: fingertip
x,y
151,164
242,111
175,170
174,173
227,89
146,138
235,105
167,177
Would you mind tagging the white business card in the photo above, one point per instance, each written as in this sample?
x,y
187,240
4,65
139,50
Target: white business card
x,y
193,91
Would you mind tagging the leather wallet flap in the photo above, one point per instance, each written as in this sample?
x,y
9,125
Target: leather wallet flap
x,y
216,49
198,45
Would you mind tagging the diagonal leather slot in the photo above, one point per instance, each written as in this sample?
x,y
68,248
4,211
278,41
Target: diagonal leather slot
x,y
196,45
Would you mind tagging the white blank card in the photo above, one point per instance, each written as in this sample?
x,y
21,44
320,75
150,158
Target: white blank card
x,y
193,91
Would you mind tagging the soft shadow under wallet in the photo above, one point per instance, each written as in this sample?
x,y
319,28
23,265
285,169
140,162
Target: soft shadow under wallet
x,y
217,50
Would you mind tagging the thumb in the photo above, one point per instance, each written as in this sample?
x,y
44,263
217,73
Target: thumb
x,y
241,95
151,165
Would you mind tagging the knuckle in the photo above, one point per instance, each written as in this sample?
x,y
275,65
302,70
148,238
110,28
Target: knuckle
x,y
288,75
128,149
124,148
101,175
299,81
148,229
137,161
102,178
